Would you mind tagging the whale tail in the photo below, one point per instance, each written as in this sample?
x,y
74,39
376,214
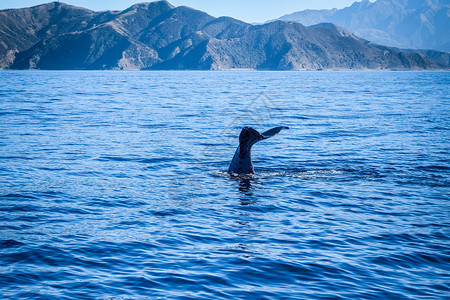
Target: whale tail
x,y
242,160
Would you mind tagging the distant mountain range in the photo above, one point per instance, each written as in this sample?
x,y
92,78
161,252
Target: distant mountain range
x,y
159,36
417,24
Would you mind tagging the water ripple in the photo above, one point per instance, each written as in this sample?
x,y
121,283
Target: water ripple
x,y
114,186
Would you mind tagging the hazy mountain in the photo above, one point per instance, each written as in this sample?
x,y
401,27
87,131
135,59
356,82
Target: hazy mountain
x,y
418,24
159,36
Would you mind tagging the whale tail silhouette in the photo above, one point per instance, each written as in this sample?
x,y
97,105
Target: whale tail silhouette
x,y
242,160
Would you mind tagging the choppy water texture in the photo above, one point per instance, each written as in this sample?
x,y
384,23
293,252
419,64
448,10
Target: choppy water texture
x,y
114,185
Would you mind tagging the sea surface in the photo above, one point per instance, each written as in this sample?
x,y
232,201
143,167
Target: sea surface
x,y
114,185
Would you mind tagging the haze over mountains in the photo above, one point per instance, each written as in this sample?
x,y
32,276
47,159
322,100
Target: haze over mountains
x,y
159,36
417,24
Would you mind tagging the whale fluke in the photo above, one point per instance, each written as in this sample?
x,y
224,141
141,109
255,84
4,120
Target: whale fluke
x,y
271,132
242,160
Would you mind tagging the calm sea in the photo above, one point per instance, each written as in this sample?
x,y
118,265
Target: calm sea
x,y
113,185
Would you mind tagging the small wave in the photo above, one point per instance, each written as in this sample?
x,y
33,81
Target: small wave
x,y
133,159
5,244
51,169
15,157
307,174
268,173
18,197
433,168
114,158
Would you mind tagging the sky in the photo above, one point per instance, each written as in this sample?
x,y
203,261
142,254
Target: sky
x,y
252,11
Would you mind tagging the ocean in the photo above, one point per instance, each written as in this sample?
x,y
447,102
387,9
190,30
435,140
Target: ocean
x,y
114,185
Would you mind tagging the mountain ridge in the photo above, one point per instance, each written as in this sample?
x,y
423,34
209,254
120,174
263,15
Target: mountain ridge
x,y
159,36
415,24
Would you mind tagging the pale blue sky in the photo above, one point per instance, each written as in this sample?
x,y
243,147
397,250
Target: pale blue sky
x,y
246,10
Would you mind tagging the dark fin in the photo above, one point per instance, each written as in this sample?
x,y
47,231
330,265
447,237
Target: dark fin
x,y
271,132
244,137
247,138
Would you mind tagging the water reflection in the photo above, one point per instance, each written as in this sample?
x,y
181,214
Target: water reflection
x,y
246,187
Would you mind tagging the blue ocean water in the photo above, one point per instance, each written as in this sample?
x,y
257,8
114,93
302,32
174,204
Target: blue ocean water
x,y
113,185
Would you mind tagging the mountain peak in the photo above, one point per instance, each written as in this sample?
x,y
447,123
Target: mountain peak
x,y
337,29
420,24
56,5
151,5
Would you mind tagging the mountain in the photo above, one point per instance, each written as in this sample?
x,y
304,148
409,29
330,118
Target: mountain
x,y
418,24
159,36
